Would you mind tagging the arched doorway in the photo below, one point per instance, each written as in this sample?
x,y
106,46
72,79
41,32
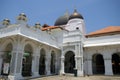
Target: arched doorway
x,y
116,63
6,59
98,64
27,61
69,62
42,62
52,65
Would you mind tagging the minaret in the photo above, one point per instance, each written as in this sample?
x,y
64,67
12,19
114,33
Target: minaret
x,y
21,19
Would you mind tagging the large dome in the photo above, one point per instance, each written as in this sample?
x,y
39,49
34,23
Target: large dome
x,y
62,20
75,15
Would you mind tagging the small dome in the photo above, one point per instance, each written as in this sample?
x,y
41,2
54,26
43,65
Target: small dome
x,y
62,20
75,15
22,17
22,14
6,22
37,25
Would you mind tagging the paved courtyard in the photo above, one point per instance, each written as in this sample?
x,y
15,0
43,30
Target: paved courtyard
x,y
96,77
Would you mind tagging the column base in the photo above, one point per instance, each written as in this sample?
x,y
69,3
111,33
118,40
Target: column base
x,y
80,73
108,74
62,73
15,77
89,73
11,77
35,74
48,73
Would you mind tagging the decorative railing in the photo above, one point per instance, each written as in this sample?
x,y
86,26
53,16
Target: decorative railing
x,y
11,30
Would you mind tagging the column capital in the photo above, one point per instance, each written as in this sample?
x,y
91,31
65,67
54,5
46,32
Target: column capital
x,y
17,51
107,57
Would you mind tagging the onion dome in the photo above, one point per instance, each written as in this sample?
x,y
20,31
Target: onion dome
x,y
62,20
75,15
6,22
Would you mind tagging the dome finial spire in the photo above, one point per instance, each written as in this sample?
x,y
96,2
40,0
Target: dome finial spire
x,y
67,12
75,15
75,9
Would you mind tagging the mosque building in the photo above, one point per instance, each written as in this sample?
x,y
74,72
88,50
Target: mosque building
x,y
65,48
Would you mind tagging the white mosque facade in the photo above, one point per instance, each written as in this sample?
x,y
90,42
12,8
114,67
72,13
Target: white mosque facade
x,y
61,49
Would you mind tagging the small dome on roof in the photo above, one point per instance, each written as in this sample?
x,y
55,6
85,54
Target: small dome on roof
x,y
75,15
37,25
6,22
22,17
62,20
22,14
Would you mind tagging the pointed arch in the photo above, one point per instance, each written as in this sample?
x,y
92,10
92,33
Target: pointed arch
x,y
52,65
69,62
42,61
116,63
98,64
27,60
7,55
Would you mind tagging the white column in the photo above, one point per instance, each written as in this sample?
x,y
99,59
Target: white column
x,y
15,65
89,66
16,61
35,62
35,66
108,65
62,66
79,59
79,65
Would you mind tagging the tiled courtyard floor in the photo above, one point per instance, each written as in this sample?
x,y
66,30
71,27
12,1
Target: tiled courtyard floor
x,y
96,77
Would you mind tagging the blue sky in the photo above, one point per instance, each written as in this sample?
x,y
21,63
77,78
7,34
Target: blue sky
x,y
97,13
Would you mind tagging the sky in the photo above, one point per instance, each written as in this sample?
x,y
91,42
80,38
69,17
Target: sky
x,y
97,14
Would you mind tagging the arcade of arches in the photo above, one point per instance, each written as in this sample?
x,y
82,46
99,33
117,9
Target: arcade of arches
x,y
98,64
26,69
